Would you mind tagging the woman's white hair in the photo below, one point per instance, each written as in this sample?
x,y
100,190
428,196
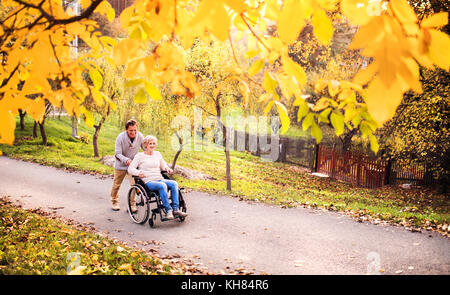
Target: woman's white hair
x,y
149,138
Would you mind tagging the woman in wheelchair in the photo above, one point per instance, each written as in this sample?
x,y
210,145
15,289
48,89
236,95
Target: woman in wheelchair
x,y
148,166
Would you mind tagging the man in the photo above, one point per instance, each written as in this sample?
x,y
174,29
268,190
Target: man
x,y
127,146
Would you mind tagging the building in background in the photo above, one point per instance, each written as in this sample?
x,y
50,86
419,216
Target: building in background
x,y
120,5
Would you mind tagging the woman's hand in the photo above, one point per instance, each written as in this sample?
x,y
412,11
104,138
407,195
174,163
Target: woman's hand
x,y
170,171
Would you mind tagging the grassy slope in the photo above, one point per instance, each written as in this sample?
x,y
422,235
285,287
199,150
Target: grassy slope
x,y
252,178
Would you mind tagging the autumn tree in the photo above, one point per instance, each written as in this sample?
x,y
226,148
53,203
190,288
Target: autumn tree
x,y
221,87
419,130
106,81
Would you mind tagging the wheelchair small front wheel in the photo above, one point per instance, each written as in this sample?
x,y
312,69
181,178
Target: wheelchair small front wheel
x,y
138,206
150,222
183,209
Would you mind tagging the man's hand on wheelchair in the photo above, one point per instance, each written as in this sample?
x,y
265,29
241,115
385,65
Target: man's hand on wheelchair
x,y
141,174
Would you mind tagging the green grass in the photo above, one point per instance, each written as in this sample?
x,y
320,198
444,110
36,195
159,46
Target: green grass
x,y
63,150
252,178
34,244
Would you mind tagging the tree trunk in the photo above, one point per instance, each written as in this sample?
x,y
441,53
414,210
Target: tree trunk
x,y
180,140
227,143
97,133
75,127
347,140
35,129
22,115
95,140
43,134
227,157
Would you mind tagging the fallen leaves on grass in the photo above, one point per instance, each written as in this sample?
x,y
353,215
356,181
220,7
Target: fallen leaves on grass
x,y
33,242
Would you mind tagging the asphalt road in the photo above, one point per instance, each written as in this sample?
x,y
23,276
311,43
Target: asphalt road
x,y
223,233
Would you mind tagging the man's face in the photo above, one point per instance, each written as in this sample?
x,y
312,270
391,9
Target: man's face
x,y
131,131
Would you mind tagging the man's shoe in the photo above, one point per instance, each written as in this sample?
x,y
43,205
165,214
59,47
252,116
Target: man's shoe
x,y
115,207
179,213
133,209
169,215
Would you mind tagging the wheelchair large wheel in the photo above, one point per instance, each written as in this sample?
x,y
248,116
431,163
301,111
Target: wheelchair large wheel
x,y
142,208
182,206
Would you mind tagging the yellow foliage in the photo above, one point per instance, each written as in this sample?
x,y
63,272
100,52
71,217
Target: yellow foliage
x,y
291,21
37,49
323,28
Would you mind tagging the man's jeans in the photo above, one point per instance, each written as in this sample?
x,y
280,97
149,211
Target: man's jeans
x,y
161,187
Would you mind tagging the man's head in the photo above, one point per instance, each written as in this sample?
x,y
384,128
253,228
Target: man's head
x,y
131,128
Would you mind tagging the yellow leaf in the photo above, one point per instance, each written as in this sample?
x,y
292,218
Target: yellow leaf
x,y
366,74
284,118
356,11
96,78
245,91
127,267
371,32
152,91
290,21
256,67
435,20
320,85
439,49
125,50
316,131
140,97
212,15
98,96
36,109
7,125
106,9
236,5
294,69
347,96
269,83
403,11
85,3
323,28
382,101
268,107
89,119
321,104
409,73
333,87
251,53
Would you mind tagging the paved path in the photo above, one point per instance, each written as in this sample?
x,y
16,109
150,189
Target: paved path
x,y
223,232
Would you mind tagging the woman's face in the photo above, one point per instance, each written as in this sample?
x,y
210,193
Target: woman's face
x,y
151,145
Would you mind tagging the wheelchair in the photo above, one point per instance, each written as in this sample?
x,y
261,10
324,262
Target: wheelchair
x,y
149,202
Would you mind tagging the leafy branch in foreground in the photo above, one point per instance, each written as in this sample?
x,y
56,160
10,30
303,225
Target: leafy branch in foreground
x,y
389,33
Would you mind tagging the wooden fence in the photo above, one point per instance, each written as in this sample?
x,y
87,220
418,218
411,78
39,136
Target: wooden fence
x,y
297,151
351,167
413,173
362,170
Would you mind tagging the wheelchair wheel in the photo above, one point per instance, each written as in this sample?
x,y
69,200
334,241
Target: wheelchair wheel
x,y
154,204
151,222
182,206
142,208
